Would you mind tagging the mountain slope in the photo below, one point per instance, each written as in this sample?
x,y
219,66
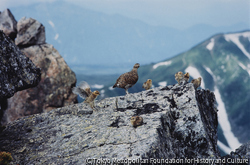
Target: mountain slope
x,y
223,62
89,40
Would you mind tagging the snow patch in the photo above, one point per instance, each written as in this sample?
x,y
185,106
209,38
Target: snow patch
x,y
235,39
224,122
223,147
193,72
97,86
111,88
244,67
210,72
166,63
51,24
223,118
162,83
211,44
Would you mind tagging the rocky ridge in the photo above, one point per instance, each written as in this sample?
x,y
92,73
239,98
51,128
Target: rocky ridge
x,y
57,79
179,122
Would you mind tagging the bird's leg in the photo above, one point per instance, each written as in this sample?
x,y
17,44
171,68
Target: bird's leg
x,y
92,106
126,91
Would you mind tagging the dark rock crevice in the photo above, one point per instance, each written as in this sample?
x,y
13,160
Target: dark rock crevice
x,y
77,132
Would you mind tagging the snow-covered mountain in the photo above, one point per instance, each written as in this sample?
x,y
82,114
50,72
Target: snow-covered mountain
x,y
94,42
223,62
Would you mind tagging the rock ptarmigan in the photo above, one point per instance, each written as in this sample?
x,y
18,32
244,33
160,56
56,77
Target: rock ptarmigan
x,y
127,80
147,85
136,121
84,91
178,77
196,82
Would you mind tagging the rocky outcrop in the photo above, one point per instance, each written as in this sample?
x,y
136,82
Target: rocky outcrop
x,y
240,155
178,123
17,72
57,79
8,24
30,32
54,90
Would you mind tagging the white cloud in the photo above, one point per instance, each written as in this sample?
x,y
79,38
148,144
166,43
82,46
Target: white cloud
x,y
51,24
56,36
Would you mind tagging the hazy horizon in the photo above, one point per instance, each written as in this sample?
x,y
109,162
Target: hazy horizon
x,y
179,14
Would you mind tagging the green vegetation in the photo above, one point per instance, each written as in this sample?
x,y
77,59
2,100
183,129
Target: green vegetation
x,y
5,158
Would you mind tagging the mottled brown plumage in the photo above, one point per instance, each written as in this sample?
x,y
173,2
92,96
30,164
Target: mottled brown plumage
x,y
179,77
185,78
84,91
147,85
196,82
136,121
127,80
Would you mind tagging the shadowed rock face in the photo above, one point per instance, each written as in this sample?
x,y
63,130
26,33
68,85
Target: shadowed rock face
x,y
54,89
17,72
178,123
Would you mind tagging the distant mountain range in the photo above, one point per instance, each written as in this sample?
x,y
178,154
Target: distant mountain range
x,y
223,62
96,43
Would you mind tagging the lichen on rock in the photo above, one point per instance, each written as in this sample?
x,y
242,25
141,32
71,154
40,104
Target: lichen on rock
x,y
178,122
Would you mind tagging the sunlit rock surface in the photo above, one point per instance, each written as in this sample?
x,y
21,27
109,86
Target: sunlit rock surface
x,y
179,122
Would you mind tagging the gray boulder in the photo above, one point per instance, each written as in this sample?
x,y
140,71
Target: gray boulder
x,y
30,32
17,72
8,24
54,89
179,122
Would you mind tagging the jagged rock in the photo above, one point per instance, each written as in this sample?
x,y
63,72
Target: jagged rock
x,y
29,32
240,156
54,89
17,72
178,123
8,24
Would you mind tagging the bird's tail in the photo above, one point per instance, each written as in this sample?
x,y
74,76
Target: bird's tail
x,y
114,86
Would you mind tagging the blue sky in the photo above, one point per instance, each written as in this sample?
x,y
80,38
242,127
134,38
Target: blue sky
x,y
179,14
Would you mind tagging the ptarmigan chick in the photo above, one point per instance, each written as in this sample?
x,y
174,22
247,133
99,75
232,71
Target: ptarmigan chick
x,y
84,91
127,80
196,82
136,121
179,77
185,78
147,85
